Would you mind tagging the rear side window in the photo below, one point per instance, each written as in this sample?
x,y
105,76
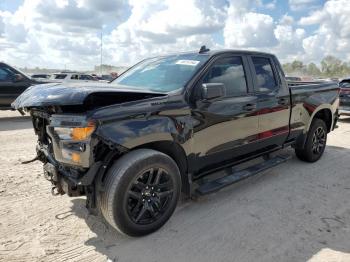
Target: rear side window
x,y
266,79
230,72
60,76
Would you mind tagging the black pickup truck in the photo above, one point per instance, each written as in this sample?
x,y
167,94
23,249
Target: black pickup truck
x,y
171,124
12,84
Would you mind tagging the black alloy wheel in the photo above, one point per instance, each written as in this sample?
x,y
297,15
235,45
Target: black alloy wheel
x,y
140,192
318,140
315,143
149,195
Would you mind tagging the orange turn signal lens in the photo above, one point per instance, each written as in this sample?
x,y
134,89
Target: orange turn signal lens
x,y
76,157
82,133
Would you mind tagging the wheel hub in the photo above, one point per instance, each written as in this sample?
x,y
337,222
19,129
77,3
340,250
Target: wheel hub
x,y
149,196
318,140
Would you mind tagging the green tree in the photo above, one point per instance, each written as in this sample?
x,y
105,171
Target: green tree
x,y
313,70
331,66
297,66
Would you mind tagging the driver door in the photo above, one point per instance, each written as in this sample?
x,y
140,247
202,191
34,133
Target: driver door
x,y
225,126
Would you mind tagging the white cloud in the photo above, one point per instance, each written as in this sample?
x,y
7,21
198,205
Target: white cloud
x,y
249,30
271,5
297,5
156,27
333,34
246,28
2,26
55,33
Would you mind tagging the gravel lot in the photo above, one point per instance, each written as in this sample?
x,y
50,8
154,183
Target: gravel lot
x,y
294,212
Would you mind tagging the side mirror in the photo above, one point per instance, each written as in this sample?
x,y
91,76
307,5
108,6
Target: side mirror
x,y
18,78
213,90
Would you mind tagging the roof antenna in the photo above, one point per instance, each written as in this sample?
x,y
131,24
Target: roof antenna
x,y
203,49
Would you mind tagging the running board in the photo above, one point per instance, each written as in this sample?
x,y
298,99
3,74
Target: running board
x,y
217,184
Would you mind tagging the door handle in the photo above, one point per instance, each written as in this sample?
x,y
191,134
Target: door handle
x,y
283,101
249,107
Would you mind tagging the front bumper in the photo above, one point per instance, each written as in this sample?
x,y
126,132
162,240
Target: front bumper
x,y
66,179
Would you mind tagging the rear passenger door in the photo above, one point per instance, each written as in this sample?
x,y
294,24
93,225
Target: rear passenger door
x,y
225,126
273,103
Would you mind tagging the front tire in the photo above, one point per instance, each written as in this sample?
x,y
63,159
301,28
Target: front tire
x,y
141,191
315,142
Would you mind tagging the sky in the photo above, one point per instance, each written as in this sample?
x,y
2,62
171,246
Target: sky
x,y
67,33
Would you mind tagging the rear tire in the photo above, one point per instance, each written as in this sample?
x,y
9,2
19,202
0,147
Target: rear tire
x,y
315,142
141,191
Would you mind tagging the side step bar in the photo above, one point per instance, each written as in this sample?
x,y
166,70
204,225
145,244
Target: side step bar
x,y
217,184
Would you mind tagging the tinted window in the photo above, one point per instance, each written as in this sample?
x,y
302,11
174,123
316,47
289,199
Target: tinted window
x,y
265,78
39,76
6,74
230,72
85,77
344,84
60,76
75,77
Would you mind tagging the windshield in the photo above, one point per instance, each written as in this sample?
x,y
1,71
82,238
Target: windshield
x,y
162,74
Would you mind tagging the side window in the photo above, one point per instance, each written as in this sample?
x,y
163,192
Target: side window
x,y
85,77
60,76
230,72
75,77
266,79
5,76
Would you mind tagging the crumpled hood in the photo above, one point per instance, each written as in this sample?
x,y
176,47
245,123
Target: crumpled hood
x,y
60,94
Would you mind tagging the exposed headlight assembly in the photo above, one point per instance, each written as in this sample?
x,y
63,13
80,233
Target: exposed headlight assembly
x,y
71,139
75,133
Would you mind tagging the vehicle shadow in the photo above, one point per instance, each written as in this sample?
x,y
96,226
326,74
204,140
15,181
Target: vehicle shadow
x,y
344,119
15,123
289,213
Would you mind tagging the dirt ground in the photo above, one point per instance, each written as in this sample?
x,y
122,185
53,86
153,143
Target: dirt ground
x,y
294,212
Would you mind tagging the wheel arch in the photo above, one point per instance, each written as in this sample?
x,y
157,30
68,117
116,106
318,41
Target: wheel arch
x,y
173,150
324,114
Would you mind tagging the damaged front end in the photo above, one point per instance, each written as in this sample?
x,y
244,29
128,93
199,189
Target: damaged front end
x,y
73,156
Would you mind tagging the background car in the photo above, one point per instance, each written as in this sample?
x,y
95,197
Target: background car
x,y
71,77
12,83
344,106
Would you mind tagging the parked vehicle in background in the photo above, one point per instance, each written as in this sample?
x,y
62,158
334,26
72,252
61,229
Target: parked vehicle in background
x,y
293,78
71,77
344,107
181,122
12,83
40,77
106,78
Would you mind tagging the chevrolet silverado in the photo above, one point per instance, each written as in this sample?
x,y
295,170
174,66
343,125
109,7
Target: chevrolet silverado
x,y
180,123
